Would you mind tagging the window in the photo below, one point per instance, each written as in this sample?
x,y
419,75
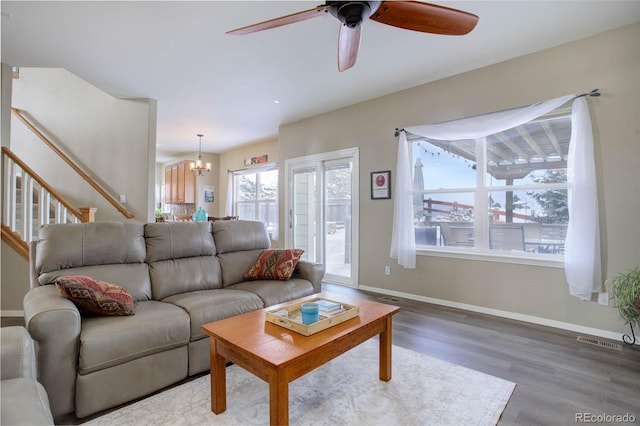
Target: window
x,y
255,197
520,140
503,193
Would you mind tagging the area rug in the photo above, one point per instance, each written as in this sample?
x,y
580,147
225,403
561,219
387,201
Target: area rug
x,y
345,391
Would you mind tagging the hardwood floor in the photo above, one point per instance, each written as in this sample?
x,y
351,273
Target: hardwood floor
x,y
558,378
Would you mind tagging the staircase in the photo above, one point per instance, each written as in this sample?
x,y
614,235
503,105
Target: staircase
x,y
29,201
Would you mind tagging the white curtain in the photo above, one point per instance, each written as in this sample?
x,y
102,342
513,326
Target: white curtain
x,y
228,209
582,263
582,258
403,241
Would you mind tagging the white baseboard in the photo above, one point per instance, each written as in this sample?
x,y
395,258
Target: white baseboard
x,y
504,314
12,313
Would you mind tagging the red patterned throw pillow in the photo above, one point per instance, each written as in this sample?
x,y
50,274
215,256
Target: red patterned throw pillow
x,y
96,296
275,265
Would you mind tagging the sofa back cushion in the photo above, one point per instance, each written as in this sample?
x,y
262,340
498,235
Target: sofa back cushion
x,y
239,244
181,258
175,240
240,235
109,251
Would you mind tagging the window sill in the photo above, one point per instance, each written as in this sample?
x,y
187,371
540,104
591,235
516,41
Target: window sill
x,y
548,261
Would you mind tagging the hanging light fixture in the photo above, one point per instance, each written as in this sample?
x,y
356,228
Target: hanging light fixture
x,y
198,167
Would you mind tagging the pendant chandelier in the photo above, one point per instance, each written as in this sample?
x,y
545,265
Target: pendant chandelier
x,y
198,166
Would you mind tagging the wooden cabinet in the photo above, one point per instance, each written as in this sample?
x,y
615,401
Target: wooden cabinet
x,y
179,183
167,184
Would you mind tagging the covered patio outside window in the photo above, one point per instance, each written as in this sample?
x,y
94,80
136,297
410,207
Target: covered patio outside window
x,y
532,220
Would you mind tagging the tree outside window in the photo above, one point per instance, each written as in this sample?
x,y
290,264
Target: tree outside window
x,y
256,197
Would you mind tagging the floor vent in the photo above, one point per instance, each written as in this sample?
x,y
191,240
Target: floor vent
x,y
390,299
600,342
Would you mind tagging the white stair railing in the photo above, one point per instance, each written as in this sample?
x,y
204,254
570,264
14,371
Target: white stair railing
x,y
29,202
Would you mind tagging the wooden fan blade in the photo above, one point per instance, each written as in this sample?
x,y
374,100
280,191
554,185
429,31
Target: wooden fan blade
x,y
425,17
283,20
348,44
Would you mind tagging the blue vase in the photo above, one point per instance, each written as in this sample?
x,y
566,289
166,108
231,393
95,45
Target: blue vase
x,y
200,215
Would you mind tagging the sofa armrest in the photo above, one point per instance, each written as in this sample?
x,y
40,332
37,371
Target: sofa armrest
x,y
312,272
54,324
18,357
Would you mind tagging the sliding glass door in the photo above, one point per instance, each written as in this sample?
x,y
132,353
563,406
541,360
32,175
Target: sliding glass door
x,y
322,208
304,212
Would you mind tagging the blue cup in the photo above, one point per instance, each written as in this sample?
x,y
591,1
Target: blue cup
x,y
310,313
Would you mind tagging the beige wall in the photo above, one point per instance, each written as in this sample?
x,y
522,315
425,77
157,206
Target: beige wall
x,y
610,62
112,139
6,105
15,281
13,268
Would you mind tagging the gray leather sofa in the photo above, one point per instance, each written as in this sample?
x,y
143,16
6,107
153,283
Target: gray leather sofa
x,y
24,400
181,275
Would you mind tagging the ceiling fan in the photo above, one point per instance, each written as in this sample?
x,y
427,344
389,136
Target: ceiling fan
x,y
410,15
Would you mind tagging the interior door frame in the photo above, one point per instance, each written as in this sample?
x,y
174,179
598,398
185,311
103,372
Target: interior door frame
x,y
318,159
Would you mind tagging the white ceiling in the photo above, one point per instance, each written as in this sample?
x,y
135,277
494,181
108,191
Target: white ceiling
x,y
225,86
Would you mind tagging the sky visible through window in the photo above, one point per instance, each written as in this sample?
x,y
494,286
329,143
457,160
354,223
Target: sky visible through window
x,y
445,170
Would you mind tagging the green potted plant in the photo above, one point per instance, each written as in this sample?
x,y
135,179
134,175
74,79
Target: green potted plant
x,y
624,290
159,216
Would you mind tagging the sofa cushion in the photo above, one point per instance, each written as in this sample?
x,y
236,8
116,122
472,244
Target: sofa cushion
x,y
240,235
212,305
181,258
108,251
177,240
109,341
62,246
274,292
235,264
95,296
134,277
170,277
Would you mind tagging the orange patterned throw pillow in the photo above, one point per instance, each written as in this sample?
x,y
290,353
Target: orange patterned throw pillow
x,y
96,296
275,265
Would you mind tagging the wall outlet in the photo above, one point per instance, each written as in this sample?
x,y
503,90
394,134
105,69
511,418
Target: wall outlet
x,y
603,299
387,270
123,199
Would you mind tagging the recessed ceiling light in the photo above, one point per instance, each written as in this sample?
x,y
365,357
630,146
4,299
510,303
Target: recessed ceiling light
x,y
277,101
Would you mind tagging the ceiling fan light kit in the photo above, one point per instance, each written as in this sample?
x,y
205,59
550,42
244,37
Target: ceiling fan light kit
x,y
409,15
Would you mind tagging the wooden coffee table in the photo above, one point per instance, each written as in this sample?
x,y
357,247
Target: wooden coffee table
x,y
279,356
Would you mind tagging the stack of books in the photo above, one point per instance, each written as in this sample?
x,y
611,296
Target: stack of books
x,y
328,307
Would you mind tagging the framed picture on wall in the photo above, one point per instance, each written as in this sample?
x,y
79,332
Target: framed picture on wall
x,y
209,193
381,185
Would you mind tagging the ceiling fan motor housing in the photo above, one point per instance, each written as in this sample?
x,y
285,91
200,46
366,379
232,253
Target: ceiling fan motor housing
x,y
352,13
